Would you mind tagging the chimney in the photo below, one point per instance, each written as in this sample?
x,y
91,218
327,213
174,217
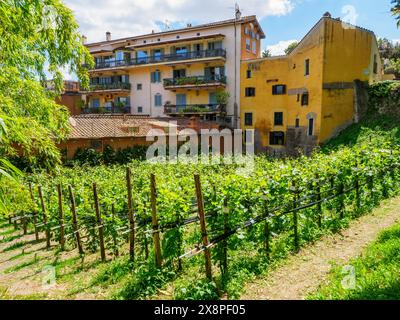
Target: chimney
x,y
189,25
108,36
84,39
238,13
327,15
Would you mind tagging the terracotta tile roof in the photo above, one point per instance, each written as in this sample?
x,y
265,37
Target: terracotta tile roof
x,y
125,126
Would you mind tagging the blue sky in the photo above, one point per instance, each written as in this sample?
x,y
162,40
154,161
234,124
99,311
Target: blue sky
x,y
371,14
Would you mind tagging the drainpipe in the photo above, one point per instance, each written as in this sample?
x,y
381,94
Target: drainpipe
x,y
235,105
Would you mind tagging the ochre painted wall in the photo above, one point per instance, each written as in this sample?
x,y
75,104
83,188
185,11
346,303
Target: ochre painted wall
x,y
337,54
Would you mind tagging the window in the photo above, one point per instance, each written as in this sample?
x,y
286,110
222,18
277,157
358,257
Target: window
x,y
254,47
250,92
141,56
158,100
375,64
95,144
311,127
276,138
157,54
180,73
248,44
140,109
304,99
278,118
307,67
297,123
279,89
215,45
212,98
156,76
139,86
248,119
246,30
95,103
249,74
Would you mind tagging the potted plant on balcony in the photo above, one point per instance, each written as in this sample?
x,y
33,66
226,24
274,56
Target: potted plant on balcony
x,y
222,98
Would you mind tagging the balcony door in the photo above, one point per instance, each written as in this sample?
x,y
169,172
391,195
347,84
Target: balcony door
x,y
179,73
180,101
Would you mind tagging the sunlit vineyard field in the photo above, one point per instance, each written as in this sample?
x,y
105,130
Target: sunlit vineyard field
x,y
253,218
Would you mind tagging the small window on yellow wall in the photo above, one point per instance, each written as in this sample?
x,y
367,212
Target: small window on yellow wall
x,y
248,119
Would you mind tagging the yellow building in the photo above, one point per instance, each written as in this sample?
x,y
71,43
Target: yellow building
x,y
308,96
175,72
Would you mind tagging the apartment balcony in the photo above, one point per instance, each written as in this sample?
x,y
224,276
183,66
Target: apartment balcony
x,y
193,109
163,59
107,110
195,82
109,87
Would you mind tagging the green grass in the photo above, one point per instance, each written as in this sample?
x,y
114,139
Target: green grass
x,y
377,273
375,131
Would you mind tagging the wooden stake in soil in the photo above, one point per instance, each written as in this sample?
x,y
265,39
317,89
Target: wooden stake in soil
x,y
131,215
154,220
200,207
295,219
225,242
116,252
34,212
358,196
61,217
44,217
319,205
341,200
99,223
75,220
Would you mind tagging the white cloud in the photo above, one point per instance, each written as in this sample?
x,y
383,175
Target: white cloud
x,y
134,17
350,14
279,48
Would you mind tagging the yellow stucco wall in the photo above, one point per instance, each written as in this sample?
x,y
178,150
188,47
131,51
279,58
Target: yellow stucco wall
x,y
336,54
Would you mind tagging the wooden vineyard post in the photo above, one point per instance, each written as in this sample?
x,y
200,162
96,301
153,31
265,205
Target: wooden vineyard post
x,y
341,200
385,192
15,222
358,195
371,187
131,216
44,217
295,219
154,220
267,232
226,230
200,207
99,223
61,217
319,203
75,220
9,220
34,213
116,252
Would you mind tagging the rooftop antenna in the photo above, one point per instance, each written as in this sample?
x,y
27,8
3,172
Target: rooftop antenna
x,y
167,25
238,13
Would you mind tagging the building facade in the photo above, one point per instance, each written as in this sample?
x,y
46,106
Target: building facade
x,y
310,95
175,73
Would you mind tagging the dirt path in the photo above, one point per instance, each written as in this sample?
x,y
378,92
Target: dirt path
x,y
301,274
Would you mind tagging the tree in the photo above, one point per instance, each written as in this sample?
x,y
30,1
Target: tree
x,y
396,11
291,47
37,38
266,53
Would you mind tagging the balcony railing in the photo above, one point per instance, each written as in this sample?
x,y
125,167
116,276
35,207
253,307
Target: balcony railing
x,y
195,81
193,109
110,86
191,55
107,110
